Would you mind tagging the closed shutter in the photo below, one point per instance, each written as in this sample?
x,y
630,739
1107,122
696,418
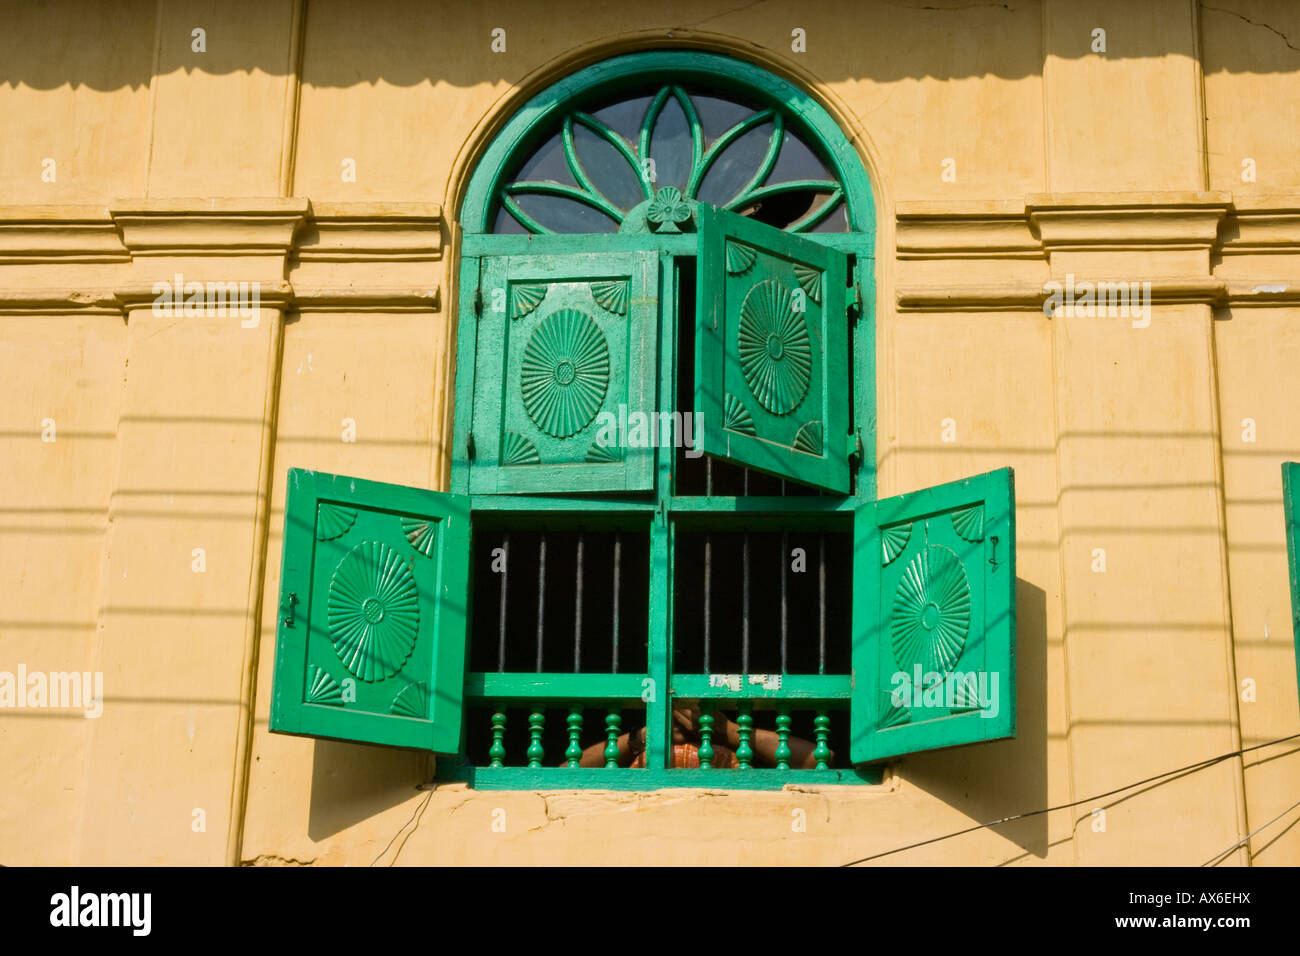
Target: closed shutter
x,y
565,351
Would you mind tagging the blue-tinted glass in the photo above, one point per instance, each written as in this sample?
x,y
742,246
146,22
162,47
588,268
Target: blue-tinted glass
x,y
506,224
561,214
670,146
736,166
608,168
547,165
836,221
797,161
624,117
718,115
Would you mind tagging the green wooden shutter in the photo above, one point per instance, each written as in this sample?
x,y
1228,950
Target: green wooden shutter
x,y
565,354
934,618
1291,507
772,372
372,618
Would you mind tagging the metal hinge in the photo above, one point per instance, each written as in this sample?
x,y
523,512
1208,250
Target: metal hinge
x,y
478,303
854,302
854,446
470,450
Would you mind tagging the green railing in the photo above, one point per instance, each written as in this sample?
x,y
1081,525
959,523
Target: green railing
x,y
547,700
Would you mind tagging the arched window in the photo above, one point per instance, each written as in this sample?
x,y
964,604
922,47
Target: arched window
x,y
601,167
662,475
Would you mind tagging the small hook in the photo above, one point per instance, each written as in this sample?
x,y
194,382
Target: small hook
x,y
292,600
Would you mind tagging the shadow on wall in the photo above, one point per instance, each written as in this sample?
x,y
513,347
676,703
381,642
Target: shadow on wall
x,y
110,44
995,780
351,783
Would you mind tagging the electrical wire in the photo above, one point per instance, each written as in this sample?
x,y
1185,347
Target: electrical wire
x,y
1218,857
1200,765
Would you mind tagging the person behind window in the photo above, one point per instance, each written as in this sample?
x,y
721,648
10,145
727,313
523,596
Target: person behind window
x,y
686,744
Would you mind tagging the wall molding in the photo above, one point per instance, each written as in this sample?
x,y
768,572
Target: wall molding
x,y
129,244
1180,239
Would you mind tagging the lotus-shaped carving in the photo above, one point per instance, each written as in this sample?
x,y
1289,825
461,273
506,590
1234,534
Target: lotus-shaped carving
x,y
663,155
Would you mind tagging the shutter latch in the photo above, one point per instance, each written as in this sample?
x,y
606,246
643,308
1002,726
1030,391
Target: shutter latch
x,y
853,447
290,601
853,300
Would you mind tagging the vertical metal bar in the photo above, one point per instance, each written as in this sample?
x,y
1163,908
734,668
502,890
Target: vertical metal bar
x,y
785,551
501,610
541,596
708,571
708,599
618,580
577,610
821,602
744,610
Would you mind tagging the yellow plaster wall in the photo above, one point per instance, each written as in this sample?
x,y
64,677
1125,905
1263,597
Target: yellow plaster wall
x,y
179,432
67,369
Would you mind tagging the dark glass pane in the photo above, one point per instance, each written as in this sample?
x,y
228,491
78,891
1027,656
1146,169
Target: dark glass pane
x,y
783,209
797,161
547,165
561,214
608,168
736,166
670,146
624,117
836,221
718,115
507,225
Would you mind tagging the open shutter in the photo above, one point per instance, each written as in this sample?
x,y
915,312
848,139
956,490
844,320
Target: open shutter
x,y
1291,507
566,350
372,618
934,618
772,373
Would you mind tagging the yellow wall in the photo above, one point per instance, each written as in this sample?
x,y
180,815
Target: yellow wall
x,y
175,433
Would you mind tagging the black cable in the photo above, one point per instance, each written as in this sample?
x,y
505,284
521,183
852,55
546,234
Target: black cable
x,y
1202,765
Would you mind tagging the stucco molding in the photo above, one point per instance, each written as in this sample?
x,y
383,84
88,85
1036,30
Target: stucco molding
x,y
59,233
208,227
66,233
367,299
1170,231
59,301
1157,220
372,232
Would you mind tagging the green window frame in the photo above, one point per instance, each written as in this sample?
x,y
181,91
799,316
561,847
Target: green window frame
x,y
586,491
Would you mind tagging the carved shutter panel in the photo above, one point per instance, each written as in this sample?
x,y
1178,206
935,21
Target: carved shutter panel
x,y
371,625
1291,507
934,618
772,379
566,351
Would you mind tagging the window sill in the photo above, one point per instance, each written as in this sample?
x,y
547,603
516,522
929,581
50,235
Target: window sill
x,y
583,778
